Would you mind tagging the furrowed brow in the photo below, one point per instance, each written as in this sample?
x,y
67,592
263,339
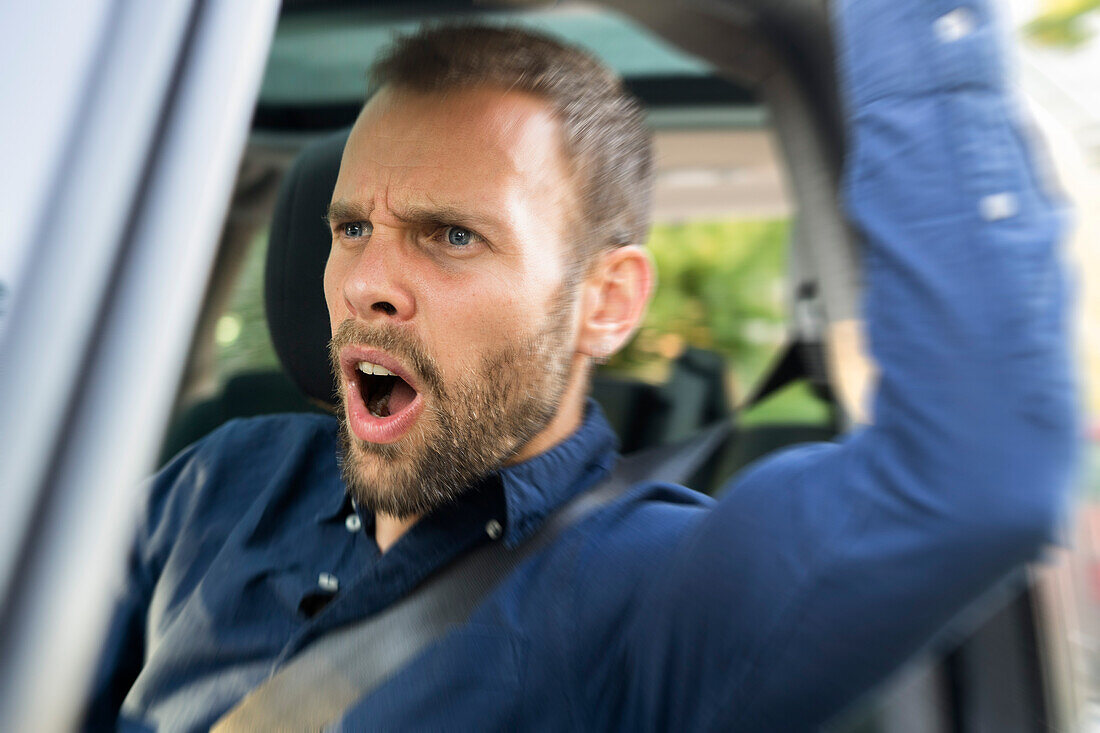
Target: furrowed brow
x,y
446,214
339,211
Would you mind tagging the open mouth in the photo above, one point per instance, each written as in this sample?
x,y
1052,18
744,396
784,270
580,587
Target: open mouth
x,y
383,401
384,393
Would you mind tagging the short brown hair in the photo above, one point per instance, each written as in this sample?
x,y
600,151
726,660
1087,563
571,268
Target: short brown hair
x,y
605,137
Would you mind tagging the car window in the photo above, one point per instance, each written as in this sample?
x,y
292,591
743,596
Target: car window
x,y
1060,79
721,243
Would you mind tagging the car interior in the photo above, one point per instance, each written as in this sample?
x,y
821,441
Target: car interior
x,y
998,677
743,104
776,77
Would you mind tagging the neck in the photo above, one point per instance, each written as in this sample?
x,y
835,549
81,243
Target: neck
x,y
388,529
566,420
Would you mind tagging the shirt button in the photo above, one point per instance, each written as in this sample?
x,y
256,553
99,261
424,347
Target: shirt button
x,y
353,523
493,529
953,26
998,206
328,582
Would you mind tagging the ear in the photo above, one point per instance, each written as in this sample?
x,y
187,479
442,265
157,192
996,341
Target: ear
x,y
616,293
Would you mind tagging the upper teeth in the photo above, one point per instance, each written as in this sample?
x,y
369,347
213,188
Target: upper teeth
x,y
367,368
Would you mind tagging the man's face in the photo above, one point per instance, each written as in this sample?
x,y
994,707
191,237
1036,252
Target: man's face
x,y
448,279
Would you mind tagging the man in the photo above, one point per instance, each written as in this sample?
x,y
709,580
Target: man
x,y
485,251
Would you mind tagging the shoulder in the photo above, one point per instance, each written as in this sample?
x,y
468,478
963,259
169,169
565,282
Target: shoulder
x,y
248,450
603,565
652,520
213,482
615,548
649,512
248,447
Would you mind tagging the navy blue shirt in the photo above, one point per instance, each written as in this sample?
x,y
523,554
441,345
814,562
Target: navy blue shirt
x,y
821,568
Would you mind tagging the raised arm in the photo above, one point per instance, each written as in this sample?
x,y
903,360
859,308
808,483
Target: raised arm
x,y
826,566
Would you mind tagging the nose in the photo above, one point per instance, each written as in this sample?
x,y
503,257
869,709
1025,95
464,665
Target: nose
x,y
377,286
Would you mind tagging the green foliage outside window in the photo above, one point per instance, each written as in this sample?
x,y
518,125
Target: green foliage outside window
x,y
1062,22
721,287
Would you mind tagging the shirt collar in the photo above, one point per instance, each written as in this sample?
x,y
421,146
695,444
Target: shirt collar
x,y
334,505
539,485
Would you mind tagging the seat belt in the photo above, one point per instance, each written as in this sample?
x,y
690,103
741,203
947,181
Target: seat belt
x,y
315,688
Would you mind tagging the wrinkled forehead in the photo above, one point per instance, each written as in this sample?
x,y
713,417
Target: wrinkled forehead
x,y
480,142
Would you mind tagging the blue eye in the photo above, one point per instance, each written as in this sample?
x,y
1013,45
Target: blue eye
x,y
458,236
357,229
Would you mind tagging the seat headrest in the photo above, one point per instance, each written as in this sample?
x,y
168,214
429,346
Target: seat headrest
x,y
294,276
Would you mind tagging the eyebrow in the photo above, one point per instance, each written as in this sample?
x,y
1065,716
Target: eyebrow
x,y
340,211
434,214
444,214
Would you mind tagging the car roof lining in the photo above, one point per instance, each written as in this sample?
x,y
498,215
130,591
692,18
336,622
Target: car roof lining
x,y
321,57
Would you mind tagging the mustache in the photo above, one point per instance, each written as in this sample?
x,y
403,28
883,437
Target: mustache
x,y
401,344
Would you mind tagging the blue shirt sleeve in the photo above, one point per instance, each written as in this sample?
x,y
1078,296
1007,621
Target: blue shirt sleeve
x,y
826,566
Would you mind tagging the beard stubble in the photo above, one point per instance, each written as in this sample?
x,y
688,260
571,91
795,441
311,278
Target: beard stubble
x,y
468,428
